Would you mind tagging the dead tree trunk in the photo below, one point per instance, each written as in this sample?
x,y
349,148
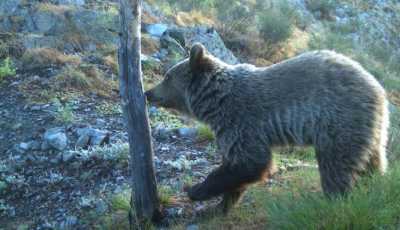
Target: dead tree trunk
x,y
144,201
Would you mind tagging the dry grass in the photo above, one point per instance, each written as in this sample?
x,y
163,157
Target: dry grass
x,y
55,9
47,57
111,62
193,18
149,45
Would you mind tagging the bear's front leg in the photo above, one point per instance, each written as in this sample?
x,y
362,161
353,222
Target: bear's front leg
x,y
226,179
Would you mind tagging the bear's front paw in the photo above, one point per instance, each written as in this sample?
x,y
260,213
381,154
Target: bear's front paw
x,y
195,192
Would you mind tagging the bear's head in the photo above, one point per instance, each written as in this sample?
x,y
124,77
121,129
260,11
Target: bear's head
x,y
172,92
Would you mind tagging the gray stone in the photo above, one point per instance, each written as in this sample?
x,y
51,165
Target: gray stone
x,y
56,138
69,222
91,137
205,35
101,207
155,30
71,2
187,132
153,111
34,145
24,146
67,156
45,146
83,141
192,227
8,7
174,48
162,132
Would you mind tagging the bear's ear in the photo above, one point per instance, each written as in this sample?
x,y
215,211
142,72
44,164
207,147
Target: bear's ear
x,y
198,58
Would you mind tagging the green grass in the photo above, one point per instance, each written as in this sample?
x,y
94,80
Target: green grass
x,y
6,68
165,194
276,24
205,133
64,113
373,205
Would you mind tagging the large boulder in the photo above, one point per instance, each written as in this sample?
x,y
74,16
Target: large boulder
x,y
56,138
209,37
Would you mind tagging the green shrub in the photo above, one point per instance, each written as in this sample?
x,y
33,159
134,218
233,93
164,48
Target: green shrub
x,y
6,68
393,147
323,6
375,204
276,24
64,113
205,133
165,194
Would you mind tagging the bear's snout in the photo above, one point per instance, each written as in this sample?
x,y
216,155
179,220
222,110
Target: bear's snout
x,y
149,95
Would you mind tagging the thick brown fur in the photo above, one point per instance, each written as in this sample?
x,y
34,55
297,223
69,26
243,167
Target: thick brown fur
x,y
319,98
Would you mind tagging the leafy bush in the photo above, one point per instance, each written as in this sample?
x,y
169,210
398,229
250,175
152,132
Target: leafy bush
x,y
323,6
277,22
6,68
205,133
64,113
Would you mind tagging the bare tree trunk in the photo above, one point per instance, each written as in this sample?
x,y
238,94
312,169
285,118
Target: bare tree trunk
x,y
145,205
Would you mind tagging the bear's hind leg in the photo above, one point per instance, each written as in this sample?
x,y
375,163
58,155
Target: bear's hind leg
x,y
230,199
340,167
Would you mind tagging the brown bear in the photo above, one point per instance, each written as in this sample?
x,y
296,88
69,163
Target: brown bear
x,y
318,98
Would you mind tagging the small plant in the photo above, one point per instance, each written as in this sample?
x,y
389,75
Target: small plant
x,y
323,6
109,109
121,202
165,194
277,23
394,135
6,68
204,133
64,113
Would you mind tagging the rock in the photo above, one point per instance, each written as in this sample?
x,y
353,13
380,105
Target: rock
x,y
8,7
36,108
175,50
187,132
150,62
83,141
71,2
155,30
56,138
3,186
67,156
31,145
17,126
192,227
34,145
45,146
101,207
205,35
91,137
69,222
24,146
162,132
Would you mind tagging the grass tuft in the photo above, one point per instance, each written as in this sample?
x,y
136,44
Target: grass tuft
x,y
372,205
47,57
205,133
6,68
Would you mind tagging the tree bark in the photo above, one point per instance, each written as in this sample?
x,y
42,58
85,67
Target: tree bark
x,y
145,205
